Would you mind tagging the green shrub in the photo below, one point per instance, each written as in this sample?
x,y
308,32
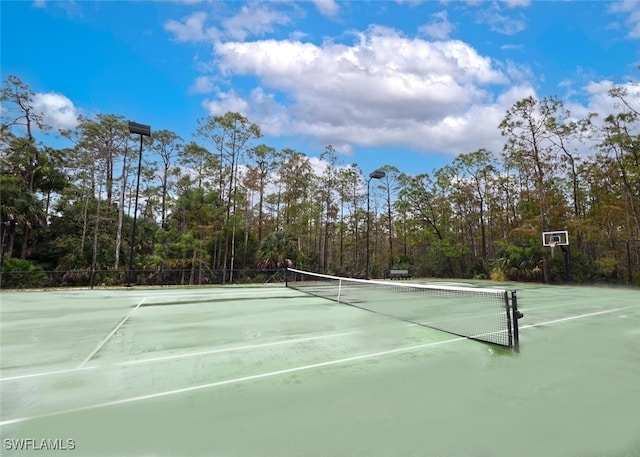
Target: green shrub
x,y
22,274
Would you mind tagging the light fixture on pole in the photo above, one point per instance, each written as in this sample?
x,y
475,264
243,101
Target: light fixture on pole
x,y
142,130
376,174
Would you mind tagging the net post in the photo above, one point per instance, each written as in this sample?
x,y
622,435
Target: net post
x,y
286,277
507,310
516,315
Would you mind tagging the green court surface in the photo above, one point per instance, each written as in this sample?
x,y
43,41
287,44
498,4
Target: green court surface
x,y
248,371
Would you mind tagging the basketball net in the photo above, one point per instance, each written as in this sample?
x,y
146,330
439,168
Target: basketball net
x,y
553,245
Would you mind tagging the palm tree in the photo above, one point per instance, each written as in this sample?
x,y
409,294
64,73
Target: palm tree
x,y
278,250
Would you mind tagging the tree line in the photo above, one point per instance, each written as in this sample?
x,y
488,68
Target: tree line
x,y
226,204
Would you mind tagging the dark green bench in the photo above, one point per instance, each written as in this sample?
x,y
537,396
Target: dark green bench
x,y
399,274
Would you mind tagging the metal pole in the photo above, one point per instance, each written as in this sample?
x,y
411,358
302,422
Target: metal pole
x,y
375,174
629,273
366,271
135,218
516,316
567,265
4,244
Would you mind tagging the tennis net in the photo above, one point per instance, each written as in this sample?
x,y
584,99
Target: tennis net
x,y
484,314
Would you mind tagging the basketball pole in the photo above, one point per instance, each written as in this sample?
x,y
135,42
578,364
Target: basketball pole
x,y
555,239
567,271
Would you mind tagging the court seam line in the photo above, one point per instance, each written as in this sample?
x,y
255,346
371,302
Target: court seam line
x,y
108,337
232,381
273,373
187,355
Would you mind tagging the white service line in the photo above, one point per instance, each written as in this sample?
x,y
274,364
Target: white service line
x,y
232,381
108,337
181,356
240,348
564,319
281,372
46,373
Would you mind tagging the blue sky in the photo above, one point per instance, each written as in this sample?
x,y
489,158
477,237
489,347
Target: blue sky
x,y
406,83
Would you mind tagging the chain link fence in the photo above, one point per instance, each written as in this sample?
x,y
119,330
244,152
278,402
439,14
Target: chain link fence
x,y
157,277
583,262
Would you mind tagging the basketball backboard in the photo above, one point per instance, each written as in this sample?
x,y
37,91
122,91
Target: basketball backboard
x,y
557,238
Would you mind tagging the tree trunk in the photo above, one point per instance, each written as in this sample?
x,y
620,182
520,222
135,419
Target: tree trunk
x,y
121,213
26,232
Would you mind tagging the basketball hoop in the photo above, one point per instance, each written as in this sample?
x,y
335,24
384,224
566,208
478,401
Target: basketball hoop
x,y
555,239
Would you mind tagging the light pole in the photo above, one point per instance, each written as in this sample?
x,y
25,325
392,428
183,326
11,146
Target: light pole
x,y
5,231
376,174
142,130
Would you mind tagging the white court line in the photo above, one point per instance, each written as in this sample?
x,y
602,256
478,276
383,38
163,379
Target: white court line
x,y
232,381
281,372
181,356
564,319
46,373
241,348
108,337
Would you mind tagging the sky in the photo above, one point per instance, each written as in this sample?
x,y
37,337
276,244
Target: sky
x,y
406,83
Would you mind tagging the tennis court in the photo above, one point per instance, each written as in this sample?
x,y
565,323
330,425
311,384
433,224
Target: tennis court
x,y
244,371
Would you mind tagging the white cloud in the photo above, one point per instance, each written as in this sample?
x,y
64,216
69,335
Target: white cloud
x,y
192,29
454,134
253,19
414,3
501,23
202,85
507,3
519,72
599,101
439,27
327,7
512,47
297,35
73,8
345,149
383,89
631,8
227,101
260,107
516,3
58,111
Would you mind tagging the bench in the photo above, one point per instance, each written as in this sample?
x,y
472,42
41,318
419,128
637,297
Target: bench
x,y
400,274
